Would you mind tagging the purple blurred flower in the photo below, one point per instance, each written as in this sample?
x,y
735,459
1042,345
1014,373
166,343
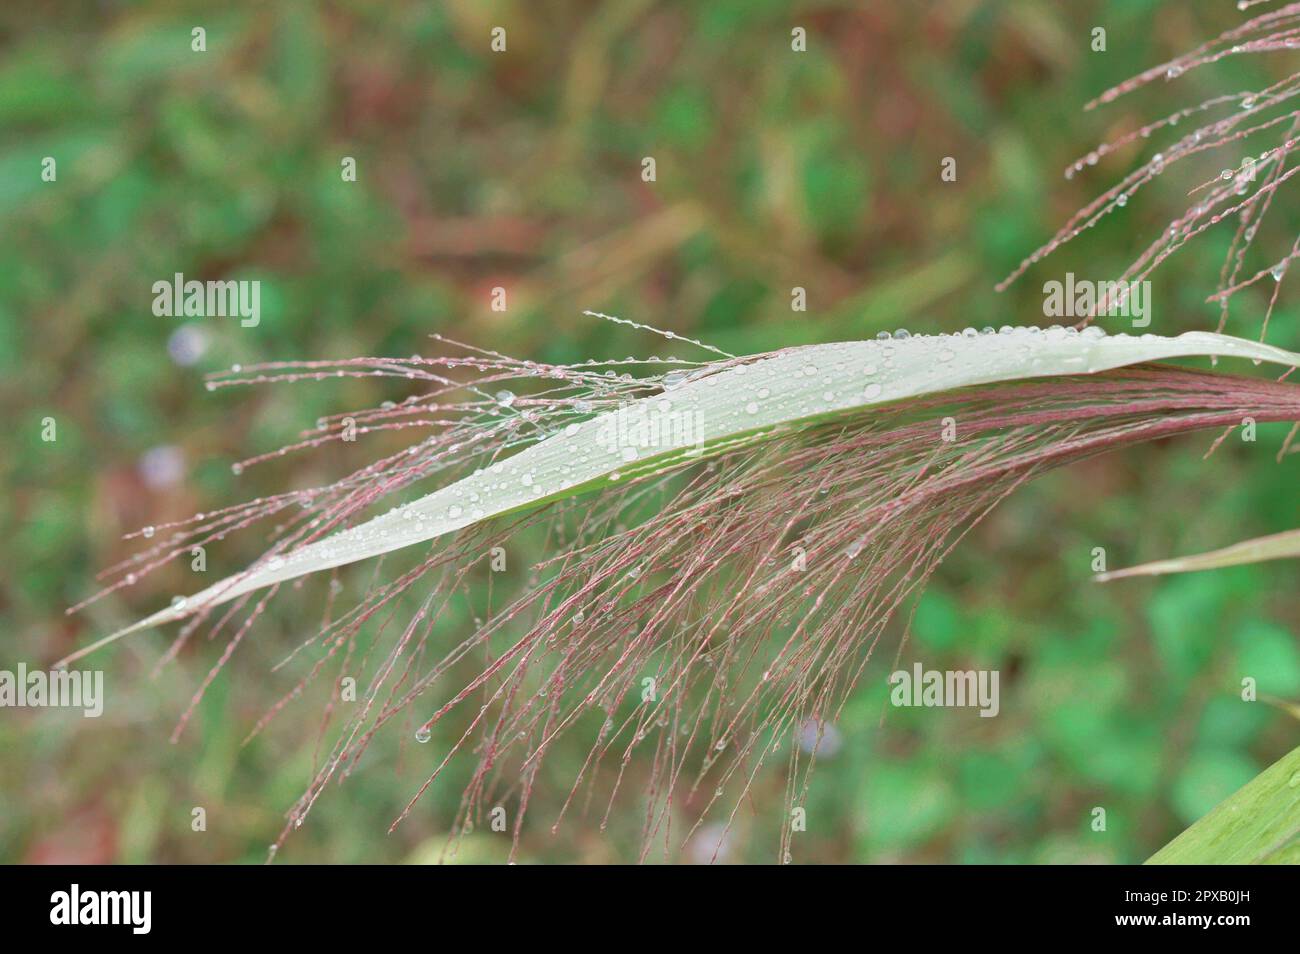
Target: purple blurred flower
x,y
188,344
162,467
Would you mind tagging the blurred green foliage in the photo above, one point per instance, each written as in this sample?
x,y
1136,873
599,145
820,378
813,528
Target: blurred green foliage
x,y
523,170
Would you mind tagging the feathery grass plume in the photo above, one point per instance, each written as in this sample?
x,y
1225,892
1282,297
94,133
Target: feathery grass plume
x,y
1242,194
706,604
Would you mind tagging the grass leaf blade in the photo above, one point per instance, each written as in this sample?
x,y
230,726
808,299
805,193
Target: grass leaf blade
x,y
1258,824
1276,546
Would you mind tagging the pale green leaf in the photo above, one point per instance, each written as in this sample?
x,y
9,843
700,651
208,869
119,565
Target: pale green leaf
x,y
1273,547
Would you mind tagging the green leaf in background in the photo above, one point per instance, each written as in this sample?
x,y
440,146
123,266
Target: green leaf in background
x,y
903,805
1259,824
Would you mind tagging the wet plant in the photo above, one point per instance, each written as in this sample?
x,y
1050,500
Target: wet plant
x,y
699,598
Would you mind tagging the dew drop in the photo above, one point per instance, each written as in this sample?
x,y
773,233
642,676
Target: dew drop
x,y
423,734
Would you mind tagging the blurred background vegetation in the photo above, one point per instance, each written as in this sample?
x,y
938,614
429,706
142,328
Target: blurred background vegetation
x,y
522,169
